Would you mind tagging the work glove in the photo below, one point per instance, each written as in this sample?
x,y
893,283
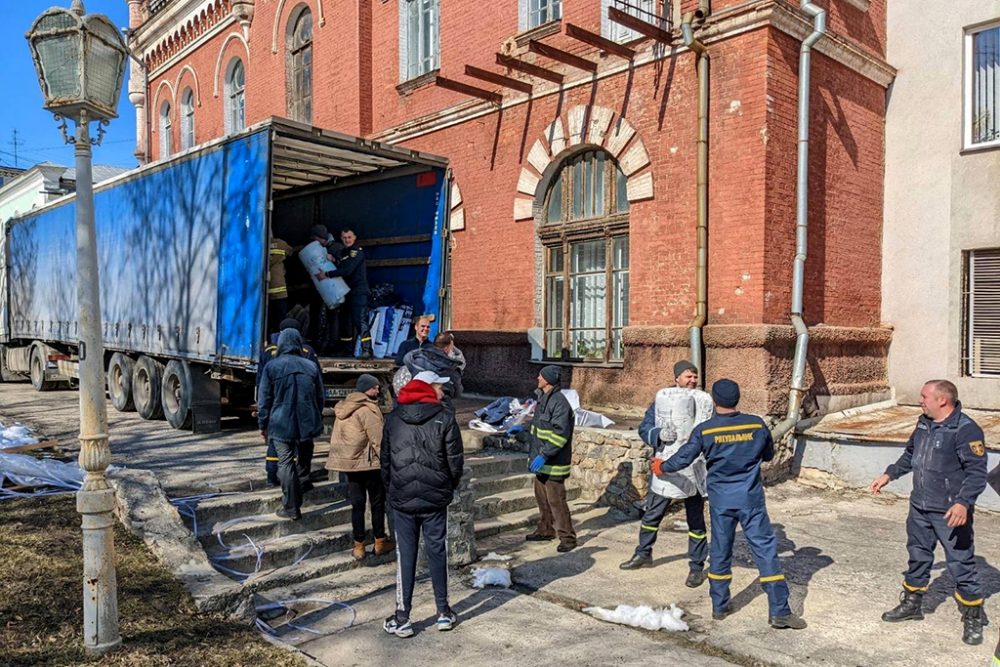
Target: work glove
x,y
657,466
668,435
515,429
536,463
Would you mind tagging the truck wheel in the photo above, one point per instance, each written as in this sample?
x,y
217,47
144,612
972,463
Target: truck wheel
x,y
6,375
176,394
38,364
147,378
120,371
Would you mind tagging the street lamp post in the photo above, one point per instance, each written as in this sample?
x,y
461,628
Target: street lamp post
x,y
80,62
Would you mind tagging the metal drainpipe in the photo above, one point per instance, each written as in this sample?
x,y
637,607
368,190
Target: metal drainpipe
x,y
694,330
798,389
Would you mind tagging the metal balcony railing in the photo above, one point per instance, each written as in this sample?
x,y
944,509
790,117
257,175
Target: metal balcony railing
x,y
654,12
156,6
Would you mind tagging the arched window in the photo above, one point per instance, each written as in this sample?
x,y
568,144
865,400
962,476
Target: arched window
x,y
585,236
187,119
166,132
300,56
235,97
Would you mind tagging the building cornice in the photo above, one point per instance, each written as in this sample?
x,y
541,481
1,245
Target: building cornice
x,y
726,24
179,57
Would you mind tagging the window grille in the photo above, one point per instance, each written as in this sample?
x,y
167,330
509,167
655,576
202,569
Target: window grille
x,y
419,36
236,97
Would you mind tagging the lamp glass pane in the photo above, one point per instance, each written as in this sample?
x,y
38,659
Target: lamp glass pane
x,y
104,69
60,59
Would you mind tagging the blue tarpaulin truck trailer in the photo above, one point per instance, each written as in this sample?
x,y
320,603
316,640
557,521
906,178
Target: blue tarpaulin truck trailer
x,y
183,252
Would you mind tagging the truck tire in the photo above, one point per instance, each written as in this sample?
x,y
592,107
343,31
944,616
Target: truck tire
x,y
37,366
147,379
120,371
176,394
6,375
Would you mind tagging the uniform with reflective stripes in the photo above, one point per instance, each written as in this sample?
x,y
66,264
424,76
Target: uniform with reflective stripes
x,y
649,526
948,462
550,435
734,446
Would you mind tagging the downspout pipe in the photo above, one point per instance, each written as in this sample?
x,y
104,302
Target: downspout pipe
x,y
703,66
798,388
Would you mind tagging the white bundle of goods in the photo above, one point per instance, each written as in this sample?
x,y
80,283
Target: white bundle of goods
x,y
332,290
683,409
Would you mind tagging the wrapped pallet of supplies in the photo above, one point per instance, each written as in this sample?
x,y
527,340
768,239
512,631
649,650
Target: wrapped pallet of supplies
x,y
332,290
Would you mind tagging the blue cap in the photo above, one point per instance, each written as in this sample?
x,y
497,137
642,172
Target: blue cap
x,y
726,393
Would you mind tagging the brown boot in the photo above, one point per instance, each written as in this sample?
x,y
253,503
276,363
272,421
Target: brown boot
x,y
384,545
359,551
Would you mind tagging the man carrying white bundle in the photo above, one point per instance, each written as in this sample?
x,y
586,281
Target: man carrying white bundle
x,y
667,424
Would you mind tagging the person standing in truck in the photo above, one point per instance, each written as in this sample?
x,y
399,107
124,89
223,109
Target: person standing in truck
x,y
352,268
277,289
325,324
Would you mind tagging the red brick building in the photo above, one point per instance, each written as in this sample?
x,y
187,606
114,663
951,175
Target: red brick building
x,y
574,205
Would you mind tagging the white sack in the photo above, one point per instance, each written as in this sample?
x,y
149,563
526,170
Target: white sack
x,y
490,576
583,417
642,617
332,290
683,409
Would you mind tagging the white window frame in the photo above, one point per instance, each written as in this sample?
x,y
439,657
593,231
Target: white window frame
x,y
619,33
972,363
529,13
967,141
236,100
166,128
419,38
187,119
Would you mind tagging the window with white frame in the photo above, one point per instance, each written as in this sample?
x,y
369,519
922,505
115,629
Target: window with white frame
x,y
586,273
533,13
982,87
166,132
235,97
187,119
419,37
653,12
982,312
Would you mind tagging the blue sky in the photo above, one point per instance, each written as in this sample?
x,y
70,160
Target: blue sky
x,y
38,138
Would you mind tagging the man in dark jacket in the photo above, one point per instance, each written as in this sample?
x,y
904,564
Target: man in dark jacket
x,y
305,453
439,360
325,323
947,455
550,440
290,412
421,338
422,461
352,268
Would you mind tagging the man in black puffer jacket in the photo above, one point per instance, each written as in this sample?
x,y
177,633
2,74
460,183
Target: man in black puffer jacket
x,y
290,414
422,461
441,359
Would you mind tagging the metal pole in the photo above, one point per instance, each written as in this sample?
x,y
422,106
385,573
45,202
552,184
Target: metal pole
x,y
96,499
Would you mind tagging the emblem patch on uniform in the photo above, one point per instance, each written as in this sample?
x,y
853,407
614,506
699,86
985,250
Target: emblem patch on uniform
x,y
977,447
354,253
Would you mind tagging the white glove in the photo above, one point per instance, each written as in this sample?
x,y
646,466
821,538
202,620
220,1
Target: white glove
x,y
668,435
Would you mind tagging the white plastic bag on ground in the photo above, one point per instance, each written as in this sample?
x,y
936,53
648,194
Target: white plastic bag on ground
x,y
683,409
490,576
15,436
493,555
642,617
24,470
332,290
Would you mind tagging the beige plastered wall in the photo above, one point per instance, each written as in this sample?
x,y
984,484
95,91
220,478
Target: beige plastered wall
x,y
940,200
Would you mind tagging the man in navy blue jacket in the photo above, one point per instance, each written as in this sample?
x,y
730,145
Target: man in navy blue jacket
x,y
734,445
947,455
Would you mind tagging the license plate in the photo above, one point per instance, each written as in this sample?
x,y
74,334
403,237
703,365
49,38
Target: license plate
x,y
337,392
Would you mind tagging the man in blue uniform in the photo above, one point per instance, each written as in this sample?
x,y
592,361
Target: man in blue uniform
x,y
947,455
734,445
352,268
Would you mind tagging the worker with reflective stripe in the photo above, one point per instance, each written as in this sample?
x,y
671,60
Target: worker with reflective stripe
x,y
277,289
550,441
352,268
947,455
734,446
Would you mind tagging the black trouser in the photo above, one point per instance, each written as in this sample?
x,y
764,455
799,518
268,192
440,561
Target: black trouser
x,y
649,527
365,485
359,325
277,309
923,531
434,526
294,461
303,461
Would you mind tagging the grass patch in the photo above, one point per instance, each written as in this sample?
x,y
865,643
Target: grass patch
x,y
41,606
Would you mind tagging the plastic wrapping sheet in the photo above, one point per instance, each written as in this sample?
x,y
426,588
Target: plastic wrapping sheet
x,y
24,470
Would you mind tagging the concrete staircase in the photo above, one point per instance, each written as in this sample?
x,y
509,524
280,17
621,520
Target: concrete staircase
x,y
279,559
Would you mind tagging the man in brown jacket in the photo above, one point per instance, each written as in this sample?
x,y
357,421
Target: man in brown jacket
x,y
277,287
354,450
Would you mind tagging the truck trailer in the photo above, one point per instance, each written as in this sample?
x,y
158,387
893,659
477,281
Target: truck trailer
x,y
183,254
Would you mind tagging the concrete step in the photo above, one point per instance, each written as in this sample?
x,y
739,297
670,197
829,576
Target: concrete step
x,y
488,486
286,550
212,511
491,465
511,521
259,527
272,583
507,502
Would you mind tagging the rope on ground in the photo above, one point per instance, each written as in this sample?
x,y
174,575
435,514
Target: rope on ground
x,y
263,626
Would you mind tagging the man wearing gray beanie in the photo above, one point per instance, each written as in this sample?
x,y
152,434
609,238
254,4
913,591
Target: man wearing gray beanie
x,y
661,494
549,437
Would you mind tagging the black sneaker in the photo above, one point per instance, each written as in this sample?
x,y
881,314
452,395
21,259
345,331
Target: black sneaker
x,y
789,622
537,537
294,515
695,578
394,627
446,620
